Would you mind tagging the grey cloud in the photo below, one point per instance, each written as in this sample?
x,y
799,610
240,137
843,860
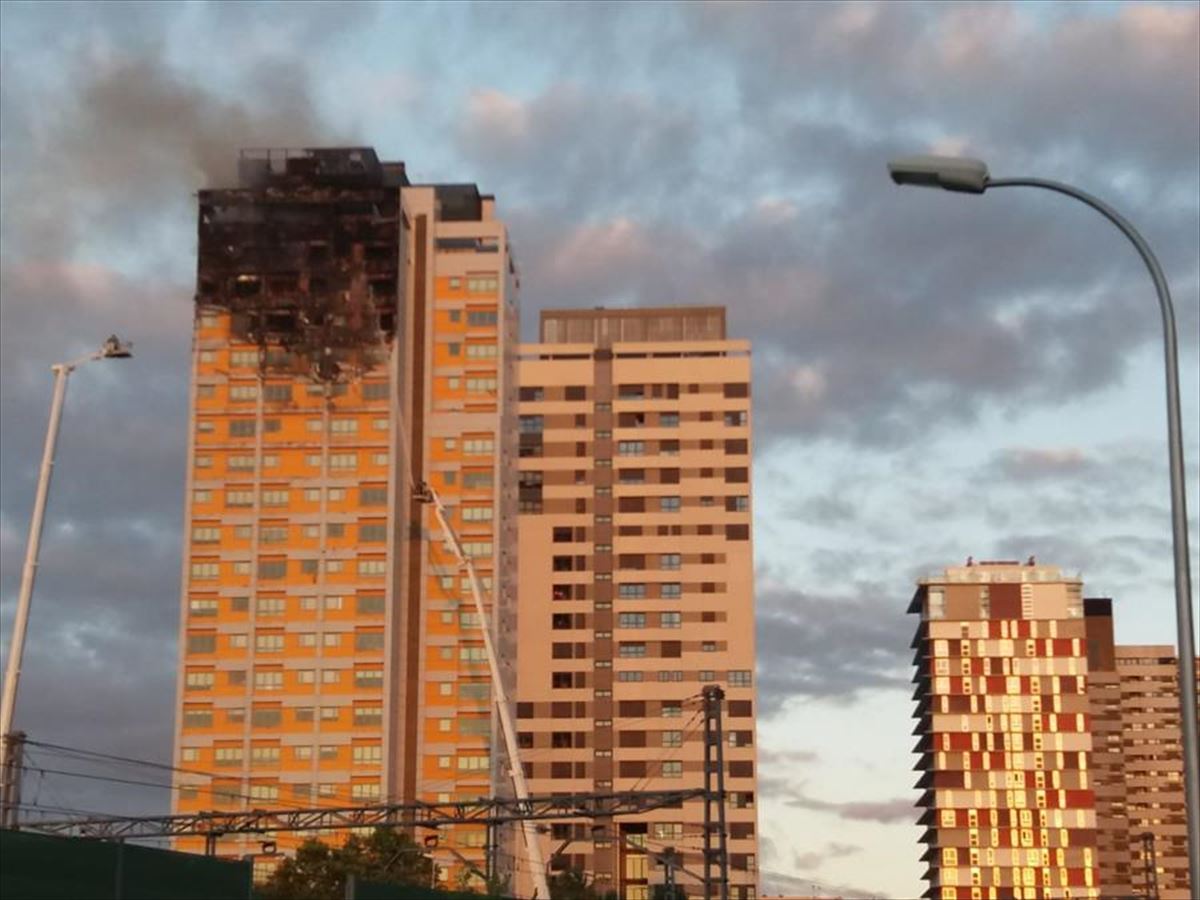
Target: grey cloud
x,y
814,858
1036,463
877,314
885,812
829,646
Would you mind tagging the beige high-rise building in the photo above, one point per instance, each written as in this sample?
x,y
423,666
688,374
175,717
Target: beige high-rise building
x,y
636,580
355,334
1138,765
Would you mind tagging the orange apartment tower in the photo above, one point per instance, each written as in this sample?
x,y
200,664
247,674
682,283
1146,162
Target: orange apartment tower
x,y
354,336
1004,734
636,577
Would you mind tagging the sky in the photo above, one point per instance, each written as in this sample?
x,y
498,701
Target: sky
x,y
936,375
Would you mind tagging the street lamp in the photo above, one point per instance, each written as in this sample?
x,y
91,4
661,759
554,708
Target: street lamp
x,y
113,348
971,176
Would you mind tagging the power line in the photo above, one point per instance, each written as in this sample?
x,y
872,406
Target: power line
x,y
82,755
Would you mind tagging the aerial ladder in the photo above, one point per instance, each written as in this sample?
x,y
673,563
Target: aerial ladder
x,y
425,493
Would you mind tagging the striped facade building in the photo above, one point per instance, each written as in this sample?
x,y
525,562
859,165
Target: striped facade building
x,y
1004,734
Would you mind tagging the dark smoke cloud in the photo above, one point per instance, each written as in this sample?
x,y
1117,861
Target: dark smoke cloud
x,y
98,170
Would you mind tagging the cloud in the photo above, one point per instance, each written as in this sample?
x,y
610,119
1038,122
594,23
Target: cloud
x,y
875,314
813,859
885,812
1037,463
824,645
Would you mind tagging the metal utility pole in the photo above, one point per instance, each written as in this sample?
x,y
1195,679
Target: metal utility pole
x,y
714,796
113,348
538,864
14,764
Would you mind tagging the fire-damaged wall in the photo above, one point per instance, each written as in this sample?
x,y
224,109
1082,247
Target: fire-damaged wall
x,y
304,255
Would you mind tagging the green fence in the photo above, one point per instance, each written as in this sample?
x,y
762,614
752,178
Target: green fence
x,y
362,889
41,867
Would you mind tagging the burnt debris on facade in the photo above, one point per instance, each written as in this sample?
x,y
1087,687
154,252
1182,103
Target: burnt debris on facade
x,y
305,256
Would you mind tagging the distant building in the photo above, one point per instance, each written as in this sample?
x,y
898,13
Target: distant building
x,y
637,581
1004,738
1138,765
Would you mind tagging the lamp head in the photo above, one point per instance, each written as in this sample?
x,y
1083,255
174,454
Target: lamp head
x,y
115,348
951,173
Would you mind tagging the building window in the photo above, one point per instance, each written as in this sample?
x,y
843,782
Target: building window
x,y
369,604
375,390
631,620
372,496
205,570
368,678
630,649
631,591
672,768
372,533
481,385
670,590
241,428
199,681
631,448
670,620
239,498
270,606
268,717
740,678
368,640
669,504
202,607
201,643
268,643
344,426
478,446
368,715
372,567
269,680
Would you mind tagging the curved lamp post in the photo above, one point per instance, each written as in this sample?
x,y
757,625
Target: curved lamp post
x,y
970,176
113,348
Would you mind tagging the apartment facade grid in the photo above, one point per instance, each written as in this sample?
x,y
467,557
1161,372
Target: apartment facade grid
x,y
636,580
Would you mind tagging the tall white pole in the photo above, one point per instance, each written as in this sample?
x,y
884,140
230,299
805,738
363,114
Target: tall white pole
x,y
500,697
12,671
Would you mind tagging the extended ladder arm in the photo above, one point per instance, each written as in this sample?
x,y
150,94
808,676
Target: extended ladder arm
x,y
426,494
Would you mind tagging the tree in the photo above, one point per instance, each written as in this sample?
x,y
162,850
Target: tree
x,y
572,884
318,871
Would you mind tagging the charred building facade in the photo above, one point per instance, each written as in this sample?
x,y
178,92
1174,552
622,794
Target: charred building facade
x,y
304,257
354,336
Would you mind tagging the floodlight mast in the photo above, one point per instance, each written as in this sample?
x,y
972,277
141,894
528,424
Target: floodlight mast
x,y
499,695
971,176
113,348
